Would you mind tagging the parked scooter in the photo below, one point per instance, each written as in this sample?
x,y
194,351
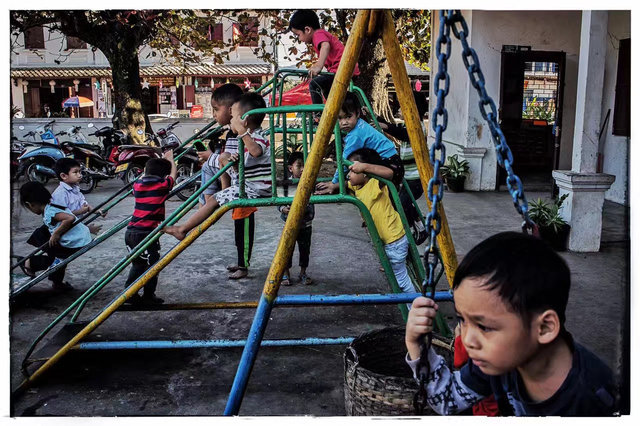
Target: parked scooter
x,y
45,154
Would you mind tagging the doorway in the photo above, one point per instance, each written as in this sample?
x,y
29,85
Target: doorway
x,y
531,95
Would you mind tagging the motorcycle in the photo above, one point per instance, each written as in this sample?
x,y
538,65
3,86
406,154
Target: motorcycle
x,y
45,154
132,158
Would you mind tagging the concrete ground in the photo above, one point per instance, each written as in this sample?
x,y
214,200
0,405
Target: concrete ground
x,y
285,381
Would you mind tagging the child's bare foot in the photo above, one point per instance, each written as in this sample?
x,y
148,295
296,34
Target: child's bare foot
x,y
285,280
176,231
239,273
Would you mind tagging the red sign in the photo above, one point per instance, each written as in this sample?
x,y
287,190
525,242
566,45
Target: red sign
x,y
197,111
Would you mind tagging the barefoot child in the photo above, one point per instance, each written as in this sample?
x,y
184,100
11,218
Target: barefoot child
x,y
150,192
222,101
296,167
510,292
64,239
256,161
375,196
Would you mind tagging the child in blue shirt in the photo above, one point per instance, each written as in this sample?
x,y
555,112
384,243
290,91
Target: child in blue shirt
x,y
510,292
64,241
359,134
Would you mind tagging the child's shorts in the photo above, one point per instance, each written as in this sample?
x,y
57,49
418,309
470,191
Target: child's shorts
x,y
233,193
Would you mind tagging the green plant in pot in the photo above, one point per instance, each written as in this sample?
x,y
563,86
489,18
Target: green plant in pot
x,y
552,227
455,172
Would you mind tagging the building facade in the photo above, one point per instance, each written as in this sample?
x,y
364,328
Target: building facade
x,y
51,67
561,83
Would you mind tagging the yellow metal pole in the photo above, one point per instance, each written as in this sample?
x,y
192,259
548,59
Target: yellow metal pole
x,y
416,135
314,159
159,266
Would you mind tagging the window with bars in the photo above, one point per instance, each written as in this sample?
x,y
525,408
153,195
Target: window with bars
x,y
34,38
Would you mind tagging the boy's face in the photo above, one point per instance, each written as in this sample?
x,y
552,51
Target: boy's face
x,y
221,112
356,179
34,207
347,121
73,177
238,125
296,168
496,338
304,36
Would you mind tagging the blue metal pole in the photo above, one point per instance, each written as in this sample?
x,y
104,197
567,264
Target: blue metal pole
x,y
355,299
219,343
249,354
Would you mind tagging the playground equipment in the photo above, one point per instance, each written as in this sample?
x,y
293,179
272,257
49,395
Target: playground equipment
x,y
440,239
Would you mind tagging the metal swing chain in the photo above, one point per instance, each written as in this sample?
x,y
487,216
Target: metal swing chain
x,y
504,157
433,217
503,152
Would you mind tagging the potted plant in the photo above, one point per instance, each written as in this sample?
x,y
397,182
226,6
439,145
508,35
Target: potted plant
x,y
552,227
455,172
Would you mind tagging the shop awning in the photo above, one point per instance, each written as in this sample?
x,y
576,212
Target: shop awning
x,y
226,70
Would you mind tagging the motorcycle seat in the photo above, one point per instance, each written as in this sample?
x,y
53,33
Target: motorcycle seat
x,y
134,147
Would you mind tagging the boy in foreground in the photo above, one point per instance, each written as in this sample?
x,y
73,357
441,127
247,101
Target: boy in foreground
x,y
510,295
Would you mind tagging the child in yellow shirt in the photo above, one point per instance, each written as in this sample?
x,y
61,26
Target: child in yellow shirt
x,y
375,196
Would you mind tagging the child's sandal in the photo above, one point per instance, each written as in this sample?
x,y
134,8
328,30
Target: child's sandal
x,y
285,280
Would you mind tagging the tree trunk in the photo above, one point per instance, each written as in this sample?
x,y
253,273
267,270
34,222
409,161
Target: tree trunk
x,y
374,72
125,72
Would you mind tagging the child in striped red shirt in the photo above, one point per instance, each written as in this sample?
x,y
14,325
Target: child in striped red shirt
x,y
151,191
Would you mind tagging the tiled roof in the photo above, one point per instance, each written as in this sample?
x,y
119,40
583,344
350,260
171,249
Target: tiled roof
x,y
153,71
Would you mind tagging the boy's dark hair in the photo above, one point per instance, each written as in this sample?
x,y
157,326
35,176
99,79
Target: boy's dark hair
x,y
227,94
366,155
64,165
304,18
34,192
249,101
295,156
160,167
528,274
351,104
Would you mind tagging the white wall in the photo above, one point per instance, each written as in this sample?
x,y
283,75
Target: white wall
x,y
489,31
616,148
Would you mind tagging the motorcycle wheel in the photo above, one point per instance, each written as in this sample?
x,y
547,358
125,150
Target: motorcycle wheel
x,y
88,182
132,173
184,173
33,175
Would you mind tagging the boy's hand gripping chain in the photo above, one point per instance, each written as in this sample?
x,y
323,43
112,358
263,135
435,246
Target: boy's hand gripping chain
x,y
504,157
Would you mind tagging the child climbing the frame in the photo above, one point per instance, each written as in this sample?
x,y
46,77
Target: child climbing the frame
x,y
150,192
375,196
510,293
304,23
359,134
296,166
64,239
256,161
222,100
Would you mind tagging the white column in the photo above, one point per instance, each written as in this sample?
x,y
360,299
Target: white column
x,y
593,50
585,187
474,157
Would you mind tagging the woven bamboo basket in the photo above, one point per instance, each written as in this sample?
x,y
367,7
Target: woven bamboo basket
x,y
377,380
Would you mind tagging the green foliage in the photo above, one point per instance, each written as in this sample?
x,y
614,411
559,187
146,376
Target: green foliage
x,y
547,214
545,110
454,168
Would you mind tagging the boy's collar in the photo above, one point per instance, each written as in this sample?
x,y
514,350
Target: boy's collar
x,y
72,188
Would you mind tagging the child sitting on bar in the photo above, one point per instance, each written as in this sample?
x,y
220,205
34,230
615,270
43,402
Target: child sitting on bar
x,y
256,159
375,196
359,134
